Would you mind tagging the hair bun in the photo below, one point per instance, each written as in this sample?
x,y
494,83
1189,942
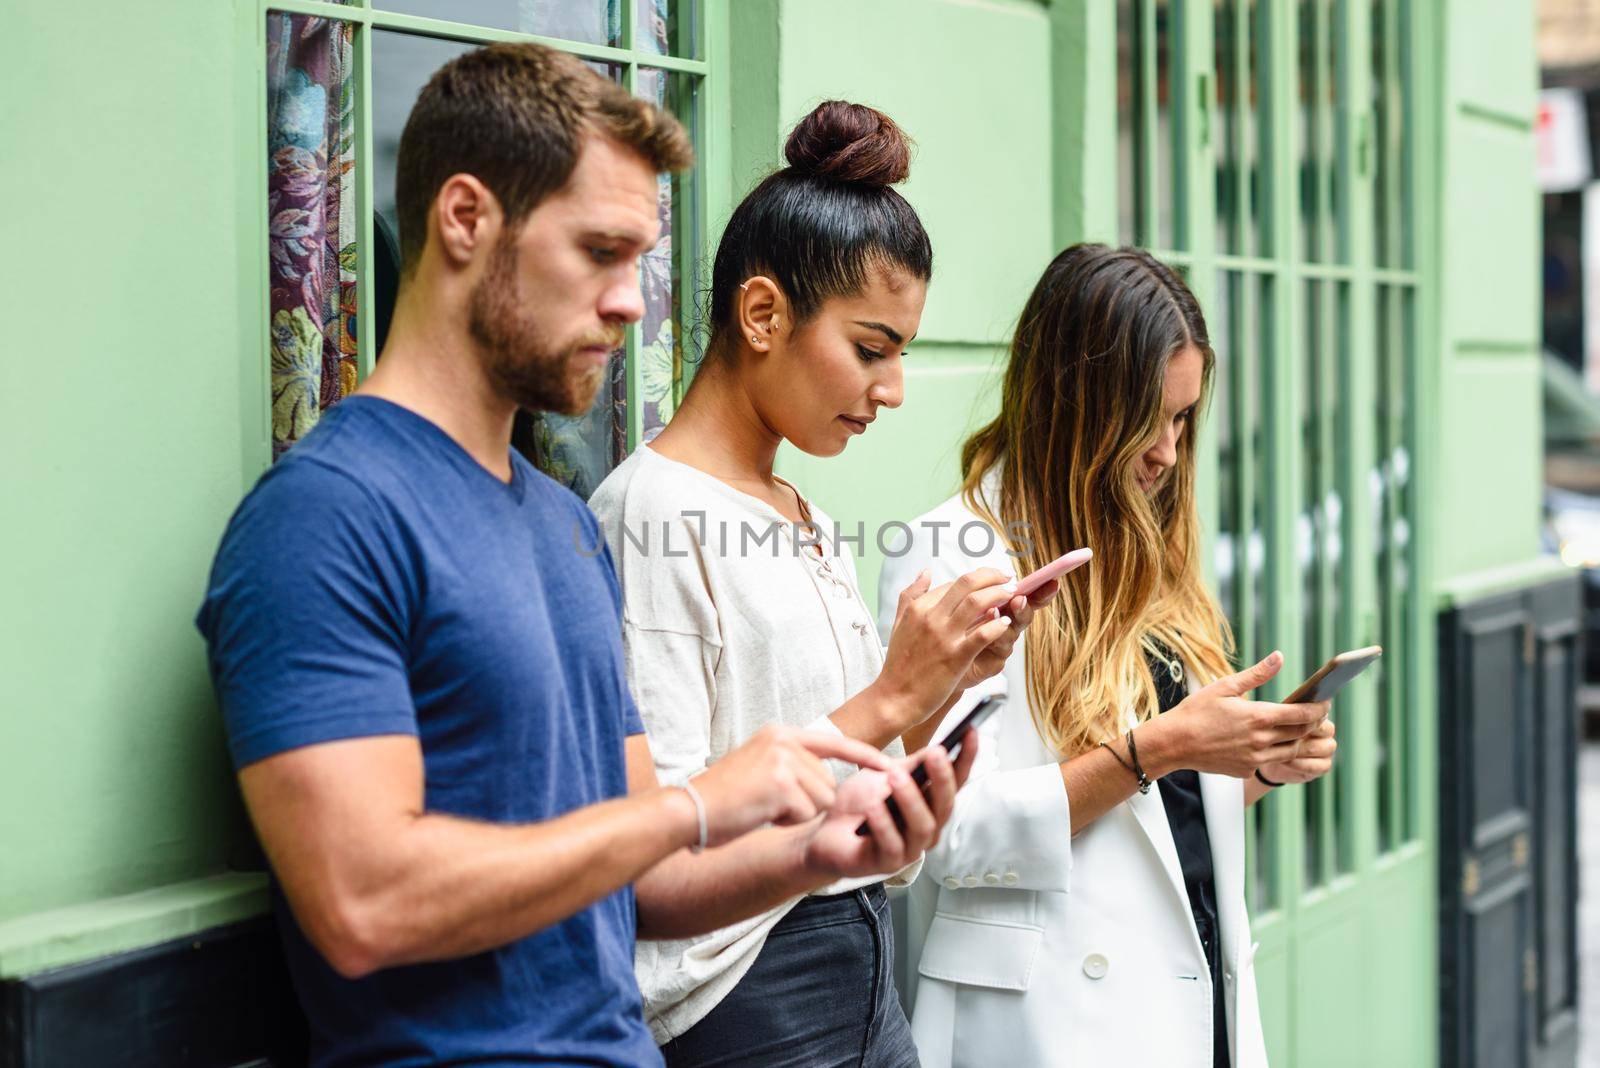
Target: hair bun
x,y
848,142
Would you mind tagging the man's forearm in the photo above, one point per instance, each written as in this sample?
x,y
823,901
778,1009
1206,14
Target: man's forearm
x,y
686,895
446,887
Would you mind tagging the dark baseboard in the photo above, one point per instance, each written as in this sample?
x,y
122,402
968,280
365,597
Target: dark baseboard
x,y
218,999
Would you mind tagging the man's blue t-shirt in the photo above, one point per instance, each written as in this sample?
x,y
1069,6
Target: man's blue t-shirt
x,y
379,581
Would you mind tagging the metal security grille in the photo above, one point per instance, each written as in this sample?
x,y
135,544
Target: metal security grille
x,y
1266,147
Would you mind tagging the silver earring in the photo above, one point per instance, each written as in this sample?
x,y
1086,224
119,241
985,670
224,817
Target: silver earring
x,y
754,339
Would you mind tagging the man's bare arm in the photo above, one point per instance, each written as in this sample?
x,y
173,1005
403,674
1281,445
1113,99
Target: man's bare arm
x,y
376,881
686,894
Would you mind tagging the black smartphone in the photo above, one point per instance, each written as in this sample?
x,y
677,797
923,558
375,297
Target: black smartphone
x,y
951,742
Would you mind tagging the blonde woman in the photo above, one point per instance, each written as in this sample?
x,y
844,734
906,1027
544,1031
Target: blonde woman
x,y
1086,903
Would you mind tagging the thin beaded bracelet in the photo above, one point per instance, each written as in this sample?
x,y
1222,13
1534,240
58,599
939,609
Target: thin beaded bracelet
x,y
1134,769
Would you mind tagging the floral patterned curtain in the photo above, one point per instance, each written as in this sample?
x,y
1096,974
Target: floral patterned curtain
x,y
311,213
311,220
579,451
660,339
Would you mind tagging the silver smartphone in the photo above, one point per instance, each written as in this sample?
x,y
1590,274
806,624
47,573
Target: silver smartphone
x,y
1334,676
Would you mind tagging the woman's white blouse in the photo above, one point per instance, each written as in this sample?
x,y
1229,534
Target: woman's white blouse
x,y
731,621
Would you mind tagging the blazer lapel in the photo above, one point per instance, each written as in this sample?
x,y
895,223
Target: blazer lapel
x,y
1151,813
1223,796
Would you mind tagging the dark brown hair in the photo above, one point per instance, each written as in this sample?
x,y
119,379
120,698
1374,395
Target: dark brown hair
x,y
817,225
514,116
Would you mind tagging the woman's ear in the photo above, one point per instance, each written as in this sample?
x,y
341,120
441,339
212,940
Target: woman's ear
x,y
762,311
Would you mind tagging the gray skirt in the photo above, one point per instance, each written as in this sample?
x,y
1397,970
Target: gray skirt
x,y
821,994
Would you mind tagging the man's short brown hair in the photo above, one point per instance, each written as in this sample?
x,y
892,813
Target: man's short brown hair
x,y
514,116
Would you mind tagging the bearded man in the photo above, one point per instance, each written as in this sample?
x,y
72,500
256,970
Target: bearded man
x,y
418,651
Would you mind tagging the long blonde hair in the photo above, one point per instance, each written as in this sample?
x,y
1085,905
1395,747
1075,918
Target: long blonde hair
x,y
1081,401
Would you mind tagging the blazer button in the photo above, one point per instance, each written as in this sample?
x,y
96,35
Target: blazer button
x,y
969,881
1095,966
952,883
1010,878
991,878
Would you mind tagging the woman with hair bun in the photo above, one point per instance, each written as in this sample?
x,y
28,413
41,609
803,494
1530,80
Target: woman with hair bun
x,y
741,610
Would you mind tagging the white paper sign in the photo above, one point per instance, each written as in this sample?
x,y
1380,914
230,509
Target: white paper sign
x,y
1562,130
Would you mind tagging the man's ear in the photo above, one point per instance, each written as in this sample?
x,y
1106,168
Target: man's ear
x,y
465,217
762,312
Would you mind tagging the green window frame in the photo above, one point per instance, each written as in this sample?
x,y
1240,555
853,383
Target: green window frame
x,y
694,93
1247,163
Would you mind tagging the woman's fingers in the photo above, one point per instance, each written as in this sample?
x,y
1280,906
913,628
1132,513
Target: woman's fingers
x,y
980,638
1281,753
982,604
909,595
1045,594
1285,721
1318,748
958,600
1305,769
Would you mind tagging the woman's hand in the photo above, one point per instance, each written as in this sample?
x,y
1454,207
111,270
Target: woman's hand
x,y
992,659
1218,730
938,635
1315,758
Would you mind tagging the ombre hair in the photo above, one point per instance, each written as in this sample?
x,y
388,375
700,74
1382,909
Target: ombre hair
x,y
1081,402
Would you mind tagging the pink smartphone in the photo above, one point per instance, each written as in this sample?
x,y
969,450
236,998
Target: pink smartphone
x,y
1054,569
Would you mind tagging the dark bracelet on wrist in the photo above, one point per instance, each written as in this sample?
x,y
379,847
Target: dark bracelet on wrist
x,y
1134,769
1266,781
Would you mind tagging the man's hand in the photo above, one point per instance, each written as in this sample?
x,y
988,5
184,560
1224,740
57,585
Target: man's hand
x,y
835,851
776,777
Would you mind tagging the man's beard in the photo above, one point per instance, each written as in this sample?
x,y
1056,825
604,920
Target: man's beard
x,y
522,363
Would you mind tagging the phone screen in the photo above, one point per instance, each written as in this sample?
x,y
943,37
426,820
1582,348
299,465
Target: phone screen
x,y
952,739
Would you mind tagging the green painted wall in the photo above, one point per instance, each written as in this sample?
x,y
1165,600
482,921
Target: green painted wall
x,y
119,428
1489,420
971,82
126,443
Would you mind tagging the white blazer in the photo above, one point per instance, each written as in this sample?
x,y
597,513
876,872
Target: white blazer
x,y
1027,948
